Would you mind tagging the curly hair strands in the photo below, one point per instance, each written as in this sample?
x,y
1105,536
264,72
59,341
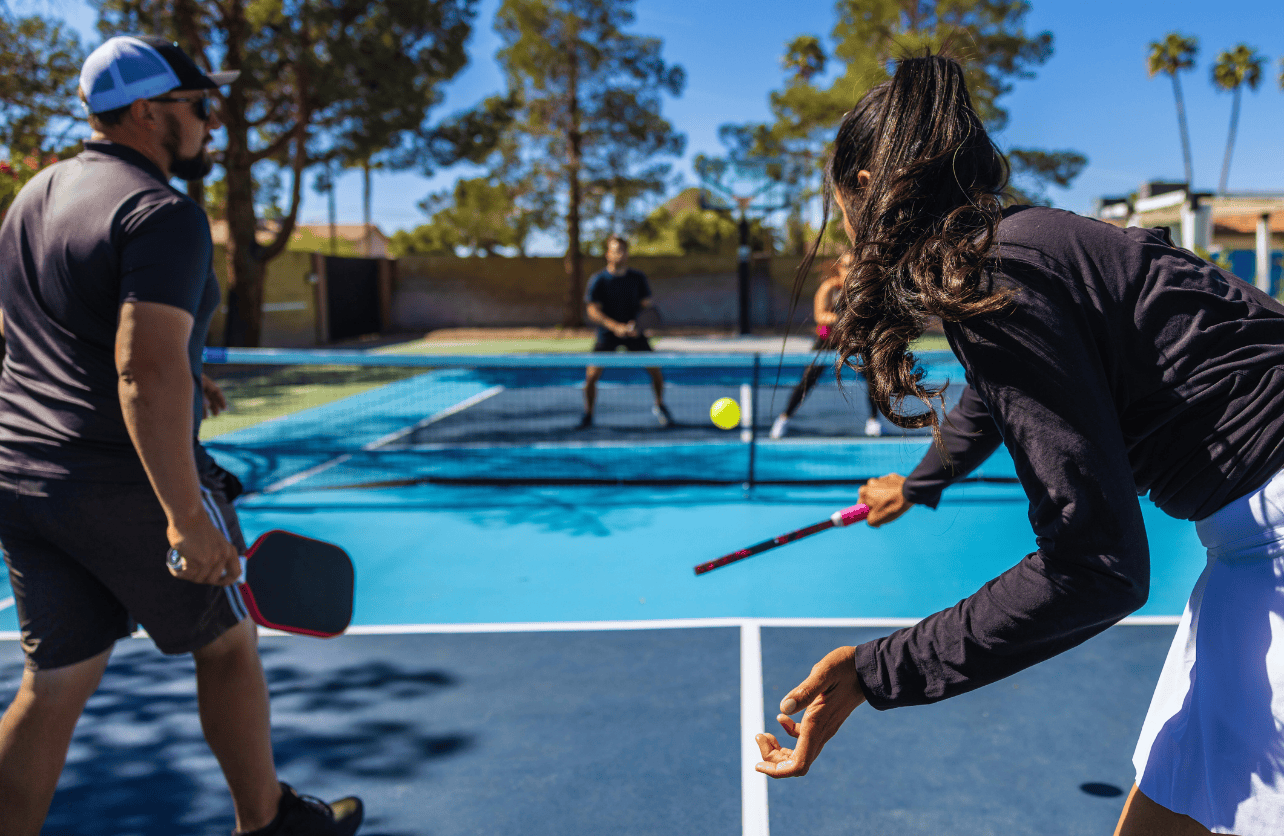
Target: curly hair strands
x,y
924,223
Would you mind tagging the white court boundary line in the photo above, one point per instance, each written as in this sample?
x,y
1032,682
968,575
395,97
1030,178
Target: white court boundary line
x,y
6,603
652,624
754,812
754,817
380,442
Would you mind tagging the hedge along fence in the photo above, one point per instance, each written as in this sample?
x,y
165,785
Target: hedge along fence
x,y
430,292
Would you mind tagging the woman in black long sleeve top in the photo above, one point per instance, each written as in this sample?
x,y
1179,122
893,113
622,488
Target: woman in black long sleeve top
x,y
1110,364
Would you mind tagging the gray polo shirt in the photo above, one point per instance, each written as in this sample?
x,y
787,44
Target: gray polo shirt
x,y
83,237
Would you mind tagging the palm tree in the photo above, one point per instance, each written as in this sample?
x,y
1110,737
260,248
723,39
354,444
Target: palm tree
x,y
1171,55
1234,69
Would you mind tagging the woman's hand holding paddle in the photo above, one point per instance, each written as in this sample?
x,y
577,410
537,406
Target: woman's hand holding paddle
x,y
826,698
885,500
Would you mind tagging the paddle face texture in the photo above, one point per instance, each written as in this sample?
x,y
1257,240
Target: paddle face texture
x,y
648,318
299,585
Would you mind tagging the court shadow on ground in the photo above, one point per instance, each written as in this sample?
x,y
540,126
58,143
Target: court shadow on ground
x,y
576,511
539,734
140,765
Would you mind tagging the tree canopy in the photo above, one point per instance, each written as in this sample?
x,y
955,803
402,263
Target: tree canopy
x,y
588,120
479,215
988,37
41,60
321,80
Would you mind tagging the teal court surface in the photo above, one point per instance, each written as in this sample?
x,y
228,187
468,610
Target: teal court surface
x,y
536,657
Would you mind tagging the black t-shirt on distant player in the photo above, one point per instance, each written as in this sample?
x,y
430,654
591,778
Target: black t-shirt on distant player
x,y
83,237
620,297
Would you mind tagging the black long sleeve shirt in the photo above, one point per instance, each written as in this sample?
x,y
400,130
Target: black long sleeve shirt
x,y
1123,366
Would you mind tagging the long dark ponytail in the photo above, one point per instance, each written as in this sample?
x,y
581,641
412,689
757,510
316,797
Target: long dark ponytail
x,y
923,222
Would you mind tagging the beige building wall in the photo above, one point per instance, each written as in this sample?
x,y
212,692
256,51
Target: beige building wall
x,y
430,292
691,291
289,301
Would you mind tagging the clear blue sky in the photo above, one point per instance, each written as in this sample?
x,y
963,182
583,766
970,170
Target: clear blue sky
x,y
1093,96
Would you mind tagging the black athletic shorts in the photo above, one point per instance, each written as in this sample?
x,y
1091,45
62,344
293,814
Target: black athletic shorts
x,y
609,341
87,565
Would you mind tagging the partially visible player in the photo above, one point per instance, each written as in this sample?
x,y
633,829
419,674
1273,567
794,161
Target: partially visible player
x,y
823,306
614,298
1111,364
107,287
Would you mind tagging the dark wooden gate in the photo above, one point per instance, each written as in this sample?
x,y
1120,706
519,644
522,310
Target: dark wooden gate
x,y
352,297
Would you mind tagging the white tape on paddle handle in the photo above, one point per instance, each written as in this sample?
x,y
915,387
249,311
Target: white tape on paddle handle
x,y
241,577
847,516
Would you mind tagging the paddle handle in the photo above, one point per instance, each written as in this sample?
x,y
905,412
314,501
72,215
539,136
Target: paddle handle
x,y
838,519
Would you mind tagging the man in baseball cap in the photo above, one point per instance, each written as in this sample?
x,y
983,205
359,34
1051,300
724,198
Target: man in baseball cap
x,y
107,289
129,68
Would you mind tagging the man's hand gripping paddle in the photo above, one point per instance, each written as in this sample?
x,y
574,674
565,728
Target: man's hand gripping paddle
x,y
295,584
647,320
838,519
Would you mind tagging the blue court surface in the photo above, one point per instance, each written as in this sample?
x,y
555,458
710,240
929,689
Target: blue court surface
x,y
542,660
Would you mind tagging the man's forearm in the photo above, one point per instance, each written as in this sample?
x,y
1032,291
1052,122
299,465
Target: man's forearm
x,y
596,316
156,401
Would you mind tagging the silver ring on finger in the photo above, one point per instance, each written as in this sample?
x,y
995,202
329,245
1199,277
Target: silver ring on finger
x,y
176,561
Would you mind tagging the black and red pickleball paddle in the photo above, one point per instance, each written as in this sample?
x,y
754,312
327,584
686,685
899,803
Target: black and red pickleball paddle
x,y
296,584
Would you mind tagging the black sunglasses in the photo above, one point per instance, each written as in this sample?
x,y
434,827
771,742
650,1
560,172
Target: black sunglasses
x,y
204,106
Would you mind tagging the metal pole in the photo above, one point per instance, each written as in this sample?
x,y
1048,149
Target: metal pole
x,y
742,266
753,420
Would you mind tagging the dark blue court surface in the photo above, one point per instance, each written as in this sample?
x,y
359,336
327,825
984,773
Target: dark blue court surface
x,y
610,731
1045,752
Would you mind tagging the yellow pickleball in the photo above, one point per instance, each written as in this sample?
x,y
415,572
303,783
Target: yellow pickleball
x,y
725,413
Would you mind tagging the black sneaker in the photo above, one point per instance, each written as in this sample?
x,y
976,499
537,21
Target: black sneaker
x,y
662,415
303,815
586,421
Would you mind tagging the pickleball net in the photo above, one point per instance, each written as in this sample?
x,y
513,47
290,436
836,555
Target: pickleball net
x,y
325,419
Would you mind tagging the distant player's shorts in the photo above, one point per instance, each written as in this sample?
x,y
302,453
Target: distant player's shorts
x,y
87,565
609,341
1212,746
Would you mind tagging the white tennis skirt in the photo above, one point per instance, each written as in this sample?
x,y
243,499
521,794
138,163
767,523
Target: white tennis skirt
x,y
1212,746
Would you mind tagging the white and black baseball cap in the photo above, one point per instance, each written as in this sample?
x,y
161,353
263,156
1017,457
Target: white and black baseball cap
x,y
131,67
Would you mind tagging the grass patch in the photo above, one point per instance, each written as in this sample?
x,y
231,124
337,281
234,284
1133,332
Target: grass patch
x,y
493,346
259,393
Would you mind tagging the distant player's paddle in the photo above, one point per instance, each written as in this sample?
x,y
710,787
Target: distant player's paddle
x,y
838,519
648,320
296,584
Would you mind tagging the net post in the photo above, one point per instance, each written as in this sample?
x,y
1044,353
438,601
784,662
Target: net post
x,y
753,417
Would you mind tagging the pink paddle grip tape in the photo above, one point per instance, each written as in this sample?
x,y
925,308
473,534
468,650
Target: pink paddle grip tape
x,y
822,331
854,514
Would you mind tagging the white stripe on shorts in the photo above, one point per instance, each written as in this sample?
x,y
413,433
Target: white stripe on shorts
x,y
232,592
1212,745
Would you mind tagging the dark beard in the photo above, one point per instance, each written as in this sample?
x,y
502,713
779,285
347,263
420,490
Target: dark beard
x,y
186,168
192,168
